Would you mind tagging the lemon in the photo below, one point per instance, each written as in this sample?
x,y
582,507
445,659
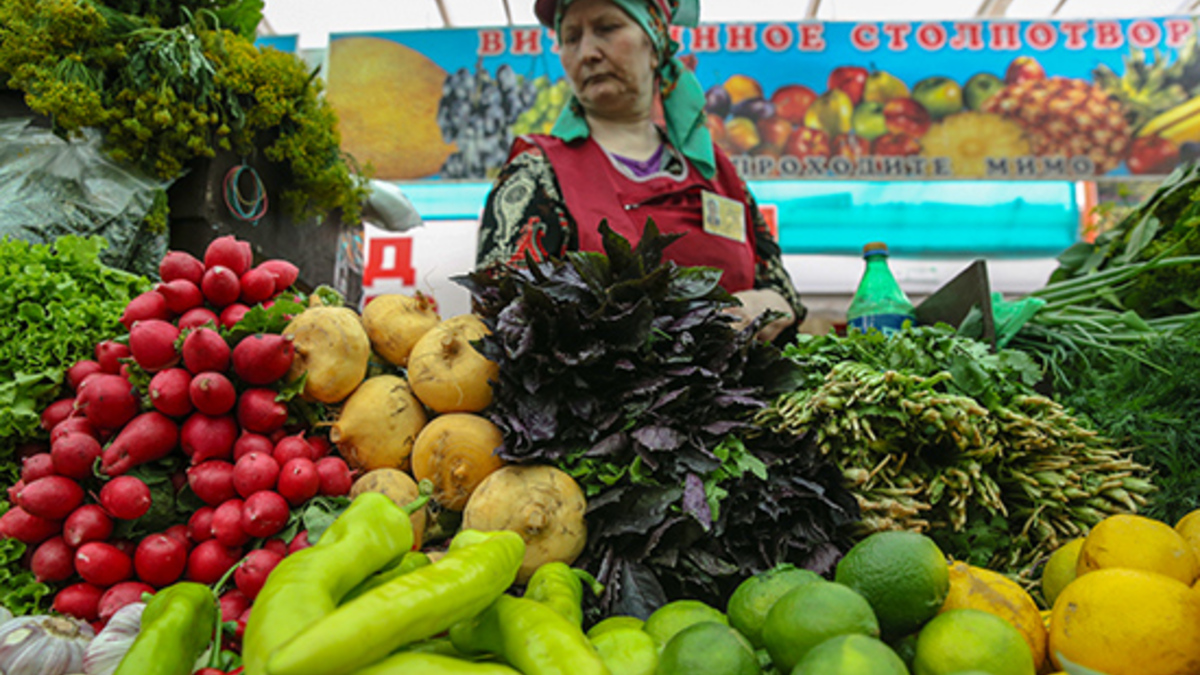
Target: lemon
x,y
850,655
995,593
808,615
750,602
971,639
1127,622
674,616
615,623
1137,542
1189,527
1060,569
903,575
708,648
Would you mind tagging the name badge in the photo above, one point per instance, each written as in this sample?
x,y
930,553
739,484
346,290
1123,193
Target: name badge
x,y
724,217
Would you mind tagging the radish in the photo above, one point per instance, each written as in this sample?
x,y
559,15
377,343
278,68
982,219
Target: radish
x,y
102,564
299,481
335,476
87,523
198,317
57,412
169,392
257,410
254,472
180,265
232,314
179,532
19,524
53,561
276,545
220,286
181,295
252,573
257,285
37,466
203,437
79,371
285,273
126,497
75,455
298,542
200,524
13,490
227,524
250,442
204,349
152,343
120,595
126,546
108,401
150,305
72,425
147,438
109,354
320,445
160,560
263,358
210,560
292,447
230,252
81,601
51,497
212,482
212,393
233,602
264,514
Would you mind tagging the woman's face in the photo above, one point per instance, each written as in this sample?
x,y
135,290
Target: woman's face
x,y
608,58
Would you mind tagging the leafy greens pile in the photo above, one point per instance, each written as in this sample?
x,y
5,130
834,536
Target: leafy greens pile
x,y
624,371
59,301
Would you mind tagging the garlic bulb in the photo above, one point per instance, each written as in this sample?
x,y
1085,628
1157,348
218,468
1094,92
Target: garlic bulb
x,y
105,653
43,645
5,615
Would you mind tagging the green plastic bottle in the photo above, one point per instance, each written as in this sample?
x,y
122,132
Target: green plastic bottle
x,y
879,302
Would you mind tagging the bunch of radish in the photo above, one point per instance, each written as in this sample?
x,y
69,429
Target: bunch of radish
x,y
210,399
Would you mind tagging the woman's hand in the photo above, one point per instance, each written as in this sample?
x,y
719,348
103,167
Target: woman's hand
x,y
754,303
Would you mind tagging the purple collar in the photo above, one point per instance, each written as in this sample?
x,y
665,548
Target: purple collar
x,y
644,168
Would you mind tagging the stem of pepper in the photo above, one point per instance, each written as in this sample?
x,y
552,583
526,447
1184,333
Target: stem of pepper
x,y
214,659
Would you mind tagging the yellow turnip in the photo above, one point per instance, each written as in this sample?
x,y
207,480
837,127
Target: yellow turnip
x,y
446,372
400,488
456,451
541,503
332,348
378,424
395,322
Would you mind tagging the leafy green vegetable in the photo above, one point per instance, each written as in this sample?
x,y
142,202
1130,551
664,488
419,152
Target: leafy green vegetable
x,y
624,371
20,592
60,302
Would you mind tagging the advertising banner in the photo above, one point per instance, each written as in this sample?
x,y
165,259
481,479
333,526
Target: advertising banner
x,y
1001,100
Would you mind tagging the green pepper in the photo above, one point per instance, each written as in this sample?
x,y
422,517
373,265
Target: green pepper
x,y
557,586
405,564
627,651
308,585
177,626
530,637
421,663
476,569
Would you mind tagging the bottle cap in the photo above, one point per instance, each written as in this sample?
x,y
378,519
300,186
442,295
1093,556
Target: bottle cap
x,y
875,248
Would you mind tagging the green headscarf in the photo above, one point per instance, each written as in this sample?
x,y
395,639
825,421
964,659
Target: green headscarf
x,y
682,95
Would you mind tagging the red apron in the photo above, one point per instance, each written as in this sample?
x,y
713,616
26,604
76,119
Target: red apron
x,y
594,190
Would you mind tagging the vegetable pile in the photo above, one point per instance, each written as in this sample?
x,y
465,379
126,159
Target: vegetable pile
x,y
623,370
937,434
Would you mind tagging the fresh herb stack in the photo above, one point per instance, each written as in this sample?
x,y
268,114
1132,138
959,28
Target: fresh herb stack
x,y
623,370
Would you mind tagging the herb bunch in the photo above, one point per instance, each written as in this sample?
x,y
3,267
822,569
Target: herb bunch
x,y
624,371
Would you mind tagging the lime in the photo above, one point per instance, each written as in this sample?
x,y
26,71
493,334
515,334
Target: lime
x,y
851,655
903,575
749,604
674,616
708,648
614,623
905,648
810,614
628,651
971,639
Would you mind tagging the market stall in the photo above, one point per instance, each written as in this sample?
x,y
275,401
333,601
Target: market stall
x,y
579,464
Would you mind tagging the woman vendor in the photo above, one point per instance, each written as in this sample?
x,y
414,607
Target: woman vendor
x,y
607,160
